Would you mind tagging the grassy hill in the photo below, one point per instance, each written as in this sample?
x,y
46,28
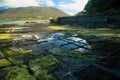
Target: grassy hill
x,y
31,13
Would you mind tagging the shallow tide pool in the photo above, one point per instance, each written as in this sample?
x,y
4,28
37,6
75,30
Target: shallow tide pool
x,y
59,42
12,22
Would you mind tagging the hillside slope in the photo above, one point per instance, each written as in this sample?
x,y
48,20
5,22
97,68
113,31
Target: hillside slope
x,y
101,7
31,13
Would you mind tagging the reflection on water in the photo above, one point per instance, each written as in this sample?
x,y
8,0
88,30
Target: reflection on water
x,y
59,43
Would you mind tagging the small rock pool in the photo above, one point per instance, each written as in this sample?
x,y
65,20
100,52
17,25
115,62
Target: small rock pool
x,y
58,43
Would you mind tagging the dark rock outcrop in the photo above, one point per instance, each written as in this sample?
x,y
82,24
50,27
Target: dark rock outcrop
x,y
92,21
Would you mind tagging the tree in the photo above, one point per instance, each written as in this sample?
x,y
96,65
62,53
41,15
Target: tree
x,y
102,6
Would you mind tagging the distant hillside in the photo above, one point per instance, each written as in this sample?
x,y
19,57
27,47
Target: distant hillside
x,y
31,13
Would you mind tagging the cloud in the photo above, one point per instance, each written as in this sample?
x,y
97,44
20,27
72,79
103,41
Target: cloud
x,y
19,3
25,3
73,6
68,6
47,2
50,3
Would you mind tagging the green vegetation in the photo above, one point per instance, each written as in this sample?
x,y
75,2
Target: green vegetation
x,y
22,73
37,68
79,55
45,61
4,62
59,27
41,74
24,51
102,6
8,54
42,65
98,33
1,54
5,37
18,73
20,52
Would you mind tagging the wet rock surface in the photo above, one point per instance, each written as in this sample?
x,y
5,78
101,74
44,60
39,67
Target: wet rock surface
x,y
59,43
65,57
94,73
72,66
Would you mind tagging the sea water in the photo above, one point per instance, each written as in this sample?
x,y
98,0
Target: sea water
x,y
12,22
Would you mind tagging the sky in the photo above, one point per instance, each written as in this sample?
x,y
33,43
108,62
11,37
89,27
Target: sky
x,y
68,6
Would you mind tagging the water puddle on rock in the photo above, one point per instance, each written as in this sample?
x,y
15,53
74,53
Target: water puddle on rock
x,y
59,43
